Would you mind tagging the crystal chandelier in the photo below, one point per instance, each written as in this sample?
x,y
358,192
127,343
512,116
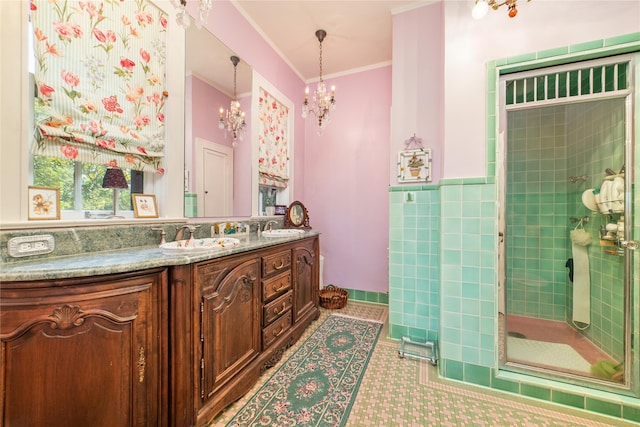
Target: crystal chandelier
x,y
321,102
182,17
233,120
482,7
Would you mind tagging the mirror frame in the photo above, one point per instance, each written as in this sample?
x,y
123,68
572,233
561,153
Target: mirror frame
x,y
301,214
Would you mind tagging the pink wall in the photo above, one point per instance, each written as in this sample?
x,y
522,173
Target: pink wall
x,y
418,85
230,27
346,185
204,110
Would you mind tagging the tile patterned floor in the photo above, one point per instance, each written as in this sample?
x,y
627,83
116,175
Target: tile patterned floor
x,y
408,392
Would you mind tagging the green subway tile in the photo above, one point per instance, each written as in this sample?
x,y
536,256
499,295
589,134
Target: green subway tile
x,y
631,413
475,374
568,399
535,392
357,295
521,58
505,385
602,407
549,53
453,369
397,331
591,45
623,39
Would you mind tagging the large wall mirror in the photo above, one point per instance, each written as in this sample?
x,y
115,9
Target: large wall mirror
x,y
217,174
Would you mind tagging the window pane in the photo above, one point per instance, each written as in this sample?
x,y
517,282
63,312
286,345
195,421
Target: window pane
x,y
56,173
94,197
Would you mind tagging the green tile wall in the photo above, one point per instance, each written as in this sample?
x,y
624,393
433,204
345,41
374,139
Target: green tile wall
x,y
190,205
414,263
457,237
468,273
595,141
537,223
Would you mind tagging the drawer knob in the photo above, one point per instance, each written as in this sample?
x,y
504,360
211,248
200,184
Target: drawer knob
x,y
279,332
278,267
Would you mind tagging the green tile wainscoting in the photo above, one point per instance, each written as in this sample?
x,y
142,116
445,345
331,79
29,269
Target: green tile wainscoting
x,y
443,259
190,205
368,296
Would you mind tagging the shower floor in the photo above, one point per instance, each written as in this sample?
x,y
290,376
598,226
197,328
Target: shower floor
x,y
549,331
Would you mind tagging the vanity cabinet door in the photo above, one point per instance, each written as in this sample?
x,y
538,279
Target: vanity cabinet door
x,y
81,352
305,271
230,328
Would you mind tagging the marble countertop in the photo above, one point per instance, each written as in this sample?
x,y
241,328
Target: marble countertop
x,y
127,260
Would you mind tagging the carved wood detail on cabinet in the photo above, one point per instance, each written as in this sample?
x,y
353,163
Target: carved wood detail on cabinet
x,y
240,310
79,352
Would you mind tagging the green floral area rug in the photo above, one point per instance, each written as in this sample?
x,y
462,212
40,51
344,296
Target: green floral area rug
x,y
318,384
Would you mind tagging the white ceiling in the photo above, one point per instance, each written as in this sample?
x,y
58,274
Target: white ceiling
x,y
358,36
358,32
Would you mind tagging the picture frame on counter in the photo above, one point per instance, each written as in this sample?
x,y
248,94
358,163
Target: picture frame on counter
x,y
144,205
44,203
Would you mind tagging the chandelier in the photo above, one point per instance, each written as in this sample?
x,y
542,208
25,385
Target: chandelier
x,y
233,120
182,17
482,7
321,102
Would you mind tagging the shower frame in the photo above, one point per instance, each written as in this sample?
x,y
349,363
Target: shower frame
x,y
532,73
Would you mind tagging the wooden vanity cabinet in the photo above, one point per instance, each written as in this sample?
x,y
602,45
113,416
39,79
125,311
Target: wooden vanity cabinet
x,y
83,352
232,318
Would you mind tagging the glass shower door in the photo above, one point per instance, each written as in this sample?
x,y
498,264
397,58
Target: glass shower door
x,y
567,224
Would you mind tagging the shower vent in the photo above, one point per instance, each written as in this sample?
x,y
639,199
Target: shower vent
x,y
566,84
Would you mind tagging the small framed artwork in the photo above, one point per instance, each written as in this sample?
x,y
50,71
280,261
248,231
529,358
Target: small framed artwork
x,y
44,203
144,206
281,209
414,166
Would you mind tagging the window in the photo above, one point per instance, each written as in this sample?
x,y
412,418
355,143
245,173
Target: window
x,y
80,186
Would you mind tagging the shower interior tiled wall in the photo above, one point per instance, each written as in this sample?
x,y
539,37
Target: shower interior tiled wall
x,y
546,147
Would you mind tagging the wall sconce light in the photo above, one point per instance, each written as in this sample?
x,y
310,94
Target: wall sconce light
x,y
233,120
481,7
321,102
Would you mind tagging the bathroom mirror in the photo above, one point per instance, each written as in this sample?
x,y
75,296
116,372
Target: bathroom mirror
x,y
217,175
296,216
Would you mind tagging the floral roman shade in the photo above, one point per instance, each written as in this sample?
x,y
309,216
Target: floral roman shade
x,y
100,77
273,141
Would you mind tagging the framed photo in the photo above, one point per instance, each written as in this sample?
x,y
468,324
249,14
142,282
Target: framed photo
x,y
44,203
144,206
281,209
414,166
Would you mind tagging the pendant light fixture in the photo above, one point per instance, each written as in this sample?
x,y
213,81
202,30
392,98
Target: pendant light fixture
x,y
321,102
182,17
233,120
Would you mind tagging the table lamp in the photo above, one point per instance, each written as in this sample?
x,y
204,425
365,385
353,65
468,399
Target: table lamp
x,y
114,178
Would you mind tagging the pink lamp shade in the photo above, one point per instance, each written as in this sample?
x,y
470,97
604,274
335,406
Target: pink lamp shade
x,y
114,178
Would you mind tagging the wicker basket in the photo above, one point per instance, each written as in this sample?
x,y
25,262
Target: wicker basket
x,y
333,297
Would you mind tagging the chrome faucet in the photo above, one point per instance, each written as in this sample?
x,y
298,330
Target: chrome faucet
x,y
188,227
268,225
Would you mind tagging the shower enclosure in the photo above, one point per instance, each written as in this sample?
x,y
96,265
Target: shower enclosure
x,y
566,247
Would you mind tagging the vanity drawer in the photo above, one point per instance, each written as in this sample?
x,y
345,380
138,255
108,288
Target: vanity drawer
x,y
278,285
277,308
276,263
279,327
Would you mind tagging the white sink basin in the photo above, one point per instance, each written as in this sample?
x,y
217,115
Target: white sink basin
x,y
282,232
199,245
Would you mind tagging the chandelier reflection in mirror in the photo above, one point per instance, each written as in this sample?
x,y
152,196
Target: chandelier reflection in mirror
x,y
182,17
321,102
233,120
481,7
